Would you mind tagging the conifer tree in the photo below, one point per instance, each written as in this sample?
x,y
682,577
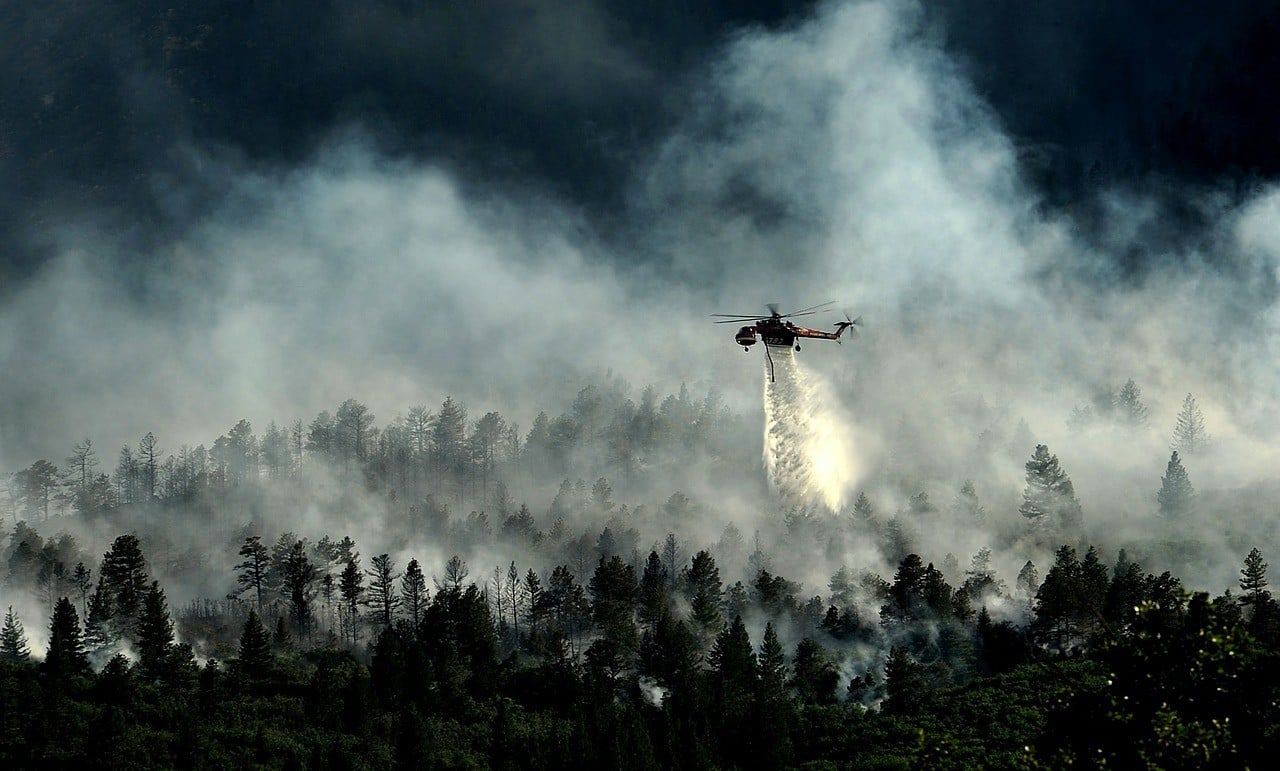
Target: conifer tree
x,y
1253,580
904,680
299,586
704,590
155,633
253,571
382,595
66,654
13,640
99,633
863,511
351,586
413,591
968,506
1129,409
124,570
1189,435
255,647
1176,494
82,580
772,664
1049,498
813,676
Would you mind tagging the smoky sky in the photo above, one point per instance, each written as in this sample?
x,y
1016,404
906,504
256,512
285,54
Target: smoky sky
x,y
109,110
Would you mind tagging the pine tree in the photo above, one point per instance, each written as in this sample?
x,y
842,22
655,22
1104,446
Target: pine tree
x,y
13,640
1176,494
66,654
863,511
904,681
413,591
1049,498
255,647
772,665
704,591
1189,436
82,580
299,586
1253,580
813,675
99,633
1129,409
1028,581
124,570
155,633
252,572
382,596
351,587
967,505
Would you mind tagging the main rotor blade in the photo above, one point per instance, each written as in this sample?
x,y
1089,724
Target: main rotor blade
x,y
773,308
737,321
736,316
811,308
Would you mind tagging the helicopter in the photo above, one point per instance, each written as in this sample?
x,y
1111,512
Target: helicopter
x,y
777,331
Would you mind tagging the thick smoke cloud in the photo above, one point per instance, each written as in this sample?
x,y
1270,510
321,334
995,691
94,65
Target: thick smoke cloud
x,y
846,158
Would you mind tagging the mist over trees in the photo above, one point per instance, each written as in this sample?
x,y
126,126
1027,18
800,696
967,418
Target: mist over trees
x,y
501,592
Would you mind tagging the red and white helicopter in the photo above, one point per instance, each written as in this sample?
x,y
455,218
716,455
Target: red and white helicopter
x,y
777,331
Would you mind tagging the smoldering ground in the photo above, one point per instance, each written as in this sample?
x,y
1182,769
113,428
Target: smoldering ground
x,y
847,158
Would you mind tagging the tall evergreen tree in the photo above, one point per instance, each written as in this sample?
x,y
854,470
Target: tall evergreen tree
x,y
65,656
863,511
653,590
1253,580
704,592
1176,495
1129,409
1189,435
255,655
124,571
13,640
252,573
814,676
351,587
1049,499
382,595
904,681
413,591
155,633
299,586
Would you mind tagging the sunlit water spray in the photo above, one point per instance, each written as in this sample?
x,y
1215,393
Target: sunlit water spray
x,y
809,456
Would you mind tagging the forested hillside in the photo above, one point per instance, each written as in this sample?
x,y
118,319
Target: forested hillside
x,y
335,594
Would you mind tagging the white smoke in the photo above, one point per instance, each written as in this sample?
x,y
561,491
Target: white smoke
x,y
810,457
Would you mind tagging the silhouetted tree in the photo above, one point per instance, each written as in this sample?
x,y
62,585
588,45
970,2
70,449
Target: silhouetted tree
x,y
155,634
299,586
255,655
413,591
704,591
65,656
254,570
124,571
1176,495
13,640
382,595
